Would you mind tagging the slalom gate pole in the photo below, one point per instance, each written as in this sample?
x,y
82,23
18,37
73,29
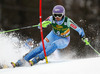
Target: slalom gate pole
x,y
88,43
18,29
40,16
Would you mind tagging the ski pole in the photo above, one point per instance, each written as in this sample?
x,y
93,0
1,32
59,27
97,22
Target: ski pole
x,y
88,43
18,29
40,16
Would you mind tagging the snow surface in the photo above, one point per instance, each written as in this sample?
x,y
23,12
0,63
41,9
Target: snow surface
x,y
82,66
11,49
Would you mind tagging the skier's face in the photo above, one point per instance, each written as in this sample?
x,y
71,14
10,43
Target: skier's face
x,y
58,17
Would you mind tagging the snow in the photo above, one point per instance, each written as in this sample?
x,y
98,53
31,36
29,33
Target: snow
x,y
9,51
79,66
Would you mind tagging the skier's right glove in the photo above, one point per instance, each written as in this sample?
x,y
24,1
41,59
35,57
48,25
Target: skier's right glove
x,y
44,24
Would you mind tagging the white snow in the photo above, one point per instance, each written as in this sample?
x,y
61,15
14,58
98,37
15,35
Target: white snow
x,y
10,52
10,49
82,66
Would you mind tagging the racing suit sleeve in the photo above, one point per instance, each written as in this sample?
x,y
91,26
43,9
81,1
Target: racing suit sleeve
x,y
76,27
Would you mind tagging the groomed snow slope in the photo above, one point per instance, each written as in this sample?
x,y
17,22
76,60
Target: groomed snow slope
x,y
80,66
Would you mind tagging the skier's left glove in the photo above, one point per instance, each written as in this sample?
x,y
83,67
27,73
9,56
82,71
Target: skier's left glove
x,y
85,40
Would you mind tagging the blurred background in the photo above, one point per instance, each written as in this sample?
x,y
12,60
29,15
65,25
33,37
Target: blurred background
x,y
85,13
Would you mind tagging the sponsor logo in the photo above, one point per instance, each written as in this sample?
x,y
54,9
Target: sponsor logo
x,y
58,26
47,40
73,26
67,31
57,9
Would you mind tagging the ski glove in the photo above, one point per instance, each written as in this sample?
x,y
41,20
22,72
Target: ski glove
x,y
85,40
45,24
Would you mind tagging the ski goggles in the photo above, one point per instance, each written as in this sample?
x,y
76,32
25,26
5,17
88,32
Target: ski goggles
x,y
57,15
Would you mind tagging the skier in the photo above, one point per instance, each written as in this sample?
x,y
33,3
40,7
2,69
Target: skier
x,y
58,38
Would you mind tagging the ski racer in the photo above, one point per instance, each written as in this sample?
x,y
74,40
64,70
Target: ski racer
x,y
58,38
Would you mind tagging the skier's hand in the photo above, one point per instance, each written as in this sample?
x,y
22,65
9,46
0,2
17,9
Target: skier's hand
x,y
84,39
45,24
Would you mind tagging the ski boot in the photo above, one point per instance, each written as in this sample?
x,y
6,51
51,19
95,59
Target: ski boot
x,y
13,64
34,61
31,63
